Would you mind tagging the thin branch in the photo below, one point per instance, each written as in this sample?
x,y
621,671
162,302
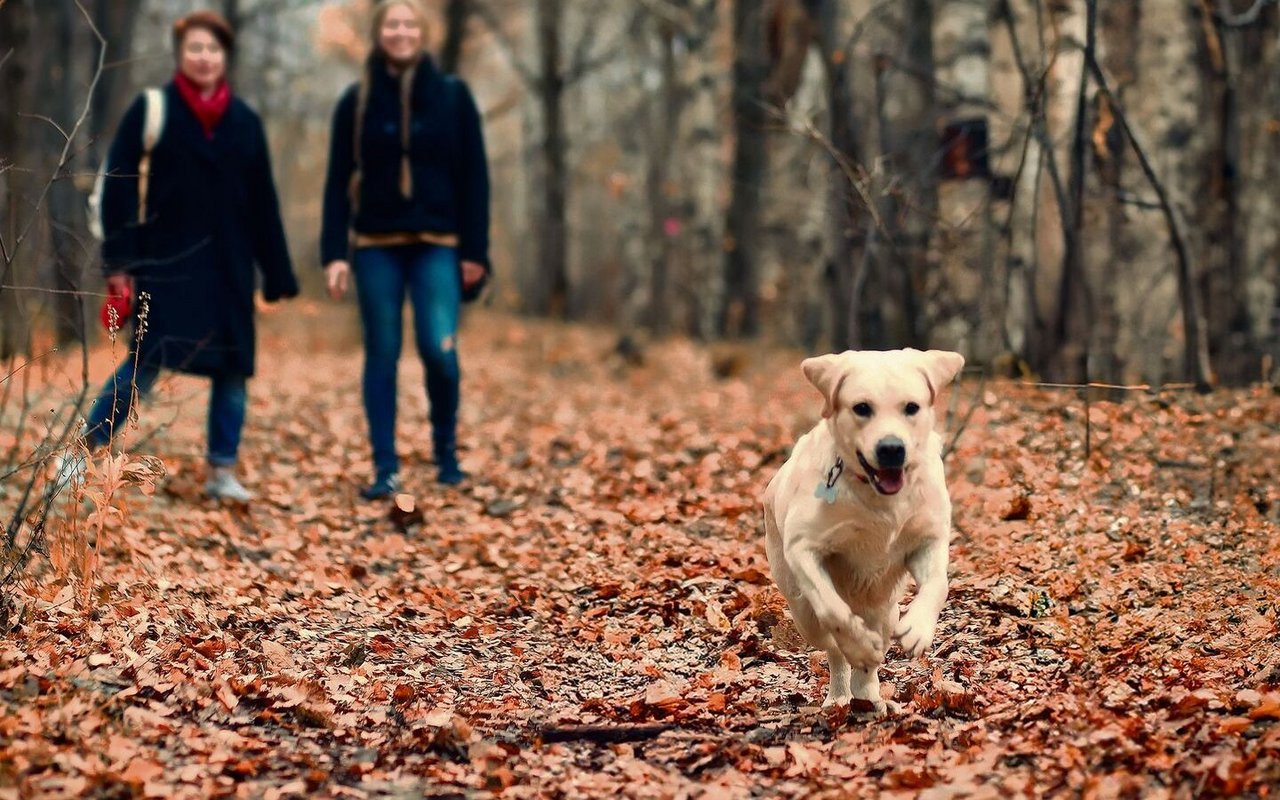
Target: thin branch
x,y
861,26
1130,199
582,68
854,173
964,423
604,734
52,124
665,10
508,47
582,48
65,155
580,65
47,290
1036,90
1073,271
1196,346
949,92
1242,20
27,363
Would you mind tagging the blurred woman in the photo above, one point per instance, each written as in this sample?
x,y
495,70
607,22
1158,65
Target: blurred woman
x,y
407,200
186,237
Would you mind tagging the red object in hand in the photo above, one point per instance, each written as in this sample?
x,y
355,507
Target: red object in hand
x,y
121,299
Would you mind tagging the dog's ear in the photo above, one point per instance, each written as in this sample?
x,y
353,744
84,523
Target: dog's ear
x,y
826,373
940,367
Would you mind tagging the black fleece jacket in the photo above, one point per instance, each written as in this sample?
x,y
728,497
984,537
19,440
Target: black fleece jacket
x,y
450,193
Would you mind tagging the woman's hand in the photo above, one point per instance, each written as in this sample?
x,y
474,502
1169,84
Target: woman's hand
x,y
472,273
337,274
120,284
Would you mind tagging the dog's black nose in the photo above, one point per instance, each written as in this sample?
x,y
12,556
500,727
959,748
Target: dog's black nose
x,y
891,452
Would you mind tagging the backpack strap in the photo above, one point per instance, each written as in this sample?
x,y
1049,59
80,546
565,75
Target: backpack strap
x,y
152,125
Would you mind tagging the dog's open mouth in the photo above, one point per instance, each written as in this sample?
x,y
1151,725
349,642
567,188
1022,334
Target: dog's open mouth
x,y
886,480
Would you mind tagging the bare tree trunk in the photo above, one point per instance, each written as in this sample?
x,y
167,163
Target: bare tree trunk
x,y
66,210
15,82
658,190
967,311
739,311
909,141
697,252
1236,351
1253,58
1164,124
552,243
456,15
233,11
115,21
1104,209
845,209
1042,222
1067,348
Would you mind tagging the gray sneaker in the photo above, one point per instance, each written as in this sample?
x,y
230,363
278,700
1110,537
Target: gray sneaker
x,y
71,470
223,485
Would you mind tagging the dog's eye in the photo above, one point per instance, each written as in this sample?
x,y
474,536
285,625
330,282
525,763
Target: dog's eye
x,y
912,409
862,409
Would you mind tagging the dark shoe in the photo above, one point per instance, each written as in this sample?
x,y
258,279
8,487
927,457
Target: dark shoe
x,y
450,473
382,488
446,452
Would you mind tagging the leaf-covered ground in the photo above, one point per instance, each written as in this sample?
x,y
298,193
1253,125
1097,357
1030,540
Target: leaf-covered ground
x,y
1111,630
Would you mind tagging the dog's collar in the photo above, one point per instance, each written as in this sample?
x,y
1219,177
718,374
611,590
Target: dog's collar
x,y
837,470
826,490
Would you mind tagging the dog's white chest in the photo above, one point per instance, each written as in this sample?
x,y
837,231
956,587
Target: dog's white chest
x,y
871,536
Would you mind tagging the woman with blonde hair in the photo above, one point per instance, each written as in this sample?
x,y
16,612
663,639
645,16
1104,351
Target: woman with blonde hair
x,y
406,210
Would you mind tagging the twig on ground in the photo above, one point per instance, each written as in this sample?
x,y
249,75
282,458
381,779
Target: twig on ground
x,y
604,734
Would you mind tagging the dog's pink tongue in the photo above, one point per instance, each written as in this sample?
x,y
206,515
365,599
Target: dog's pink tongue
x,y
890,481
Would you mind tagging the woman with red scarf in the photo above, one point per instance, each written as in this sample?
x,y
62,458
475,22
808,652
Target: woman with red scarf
x,y
188,246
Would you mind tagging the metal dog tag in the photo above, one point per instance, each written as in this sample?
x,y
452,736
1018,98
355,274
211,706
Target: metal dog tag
x,y
827,491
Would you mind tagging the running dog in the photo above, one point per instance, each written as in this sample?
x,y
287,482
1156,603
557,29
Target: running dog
x,y
861,504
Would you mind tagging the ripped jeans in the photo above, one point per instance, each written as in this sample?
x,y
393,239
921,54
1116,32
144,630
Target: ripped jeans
x,y
429,274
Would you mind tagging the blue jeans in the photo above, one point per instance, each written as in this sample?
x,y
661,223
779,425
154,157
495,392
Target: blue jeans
x,y
227,400
430,276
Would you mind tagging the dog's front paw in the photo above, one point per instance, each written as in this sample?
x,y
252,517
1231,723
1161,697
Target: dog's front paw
x,y
836,699
862,647
863,709
915,632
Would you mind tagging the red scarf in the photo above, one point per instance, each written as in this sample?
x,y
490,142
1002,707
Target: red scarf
x,y
208,110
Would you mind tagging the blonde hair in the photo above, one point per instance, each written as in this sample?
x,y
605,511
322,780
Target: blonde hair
x,y
380,12
384,7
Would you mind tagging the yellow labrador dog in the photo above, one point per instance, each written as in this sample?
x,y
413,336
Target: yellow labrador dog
x,y
861,504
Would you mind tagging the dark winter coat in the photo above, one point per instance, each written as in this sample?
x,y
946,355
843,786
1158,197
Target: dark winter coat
x,y
450,187
211,213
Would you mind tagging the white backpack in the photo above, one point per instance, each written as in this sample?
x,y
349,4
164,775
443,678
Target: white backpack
x,y
153,123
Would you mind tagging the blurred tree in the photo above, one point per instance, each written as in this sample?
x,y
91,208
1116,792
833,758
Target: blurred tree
x,y
890,315
457,13
553,72
739,308
17,74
